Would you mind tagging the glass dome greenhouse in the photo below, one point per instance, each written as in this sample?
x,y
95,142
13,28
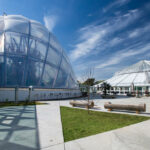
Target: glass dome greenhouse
x,y
31,55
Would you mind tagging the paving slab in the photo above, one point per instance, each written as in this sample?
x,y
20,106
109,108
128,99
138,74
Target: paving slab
x,y
133,137
49,125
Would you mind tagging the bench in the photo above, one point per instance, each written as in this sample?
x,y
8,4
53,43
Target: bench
x,y
82,104
137,108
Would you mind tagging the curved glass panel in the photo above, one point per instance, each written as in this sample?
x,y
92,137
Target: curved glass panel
x,y
15,68
54,43
16,17
15,43
34,72
14,25
53,57
1,23
49,76
1,70
37,30
1,43
37,49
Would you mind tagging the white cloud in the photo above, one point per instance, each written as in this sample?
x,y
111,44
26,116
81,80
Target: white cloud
x,y
115,41
50,21
139,31
121,55
89,43
92,37
116,3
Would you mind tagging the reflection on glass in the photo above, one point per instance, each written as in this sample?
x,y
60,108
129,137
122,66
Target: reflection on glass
x,y
53,57
49,76
1,43
15,70
34,73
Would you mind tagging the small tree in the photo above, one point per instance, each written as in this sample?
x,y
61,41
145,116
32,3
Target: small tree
x,y
88,81
105,86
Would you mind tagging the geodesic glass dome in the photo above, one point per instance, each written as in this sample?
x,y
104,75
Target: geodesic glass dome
x,y
31,55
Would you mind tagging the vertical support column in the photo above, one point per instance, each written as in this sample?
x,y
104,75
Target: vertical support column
x,y
29,96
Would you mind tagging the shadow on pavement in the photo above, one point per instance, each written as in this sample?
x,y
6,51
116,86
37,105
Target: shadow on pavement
x,y
18,128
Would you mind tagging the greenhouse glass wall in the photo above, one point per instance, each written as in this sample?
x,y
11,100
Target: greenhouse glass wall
x,y
31,55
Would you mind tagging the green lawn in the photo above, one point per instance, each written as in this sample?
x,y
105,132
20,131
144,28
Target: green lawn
x,y
78,123
6,104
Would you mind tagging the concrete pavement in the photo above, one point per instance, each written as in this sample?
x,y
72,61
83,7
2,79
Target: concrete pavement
x,y
133,137
50,127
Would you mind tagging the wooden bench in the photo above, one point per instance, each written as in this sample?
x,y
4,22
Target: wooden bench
x,y
137,108
82,104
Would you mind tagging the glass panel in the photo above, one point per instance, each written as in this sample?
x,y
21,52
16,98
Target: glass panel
x,y
66,58
15,70
53,57
1,23
16,17
65,66
61,80
54,43
16,43
63,74
37,49
71,82
49,76
1,70
1,43
17,25
34,72
39,31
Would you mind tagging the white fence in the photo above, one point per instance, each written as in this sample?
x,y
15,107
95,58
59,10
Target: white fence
x,y
8,94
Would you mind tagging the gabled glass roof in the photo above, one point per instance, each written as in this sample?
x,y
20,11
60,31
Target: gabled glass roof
x,y
137,74
141,66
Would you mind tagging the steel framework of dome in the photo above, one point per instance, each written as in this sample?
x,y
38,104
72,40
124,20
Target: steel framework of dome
x,y
31,55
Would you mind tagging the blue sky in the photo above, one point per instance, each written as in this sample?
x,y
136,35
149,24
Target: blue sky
x,y
105,35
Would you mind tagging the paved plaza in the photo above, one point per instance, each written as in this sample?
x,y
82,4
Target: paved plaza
x,y
39,128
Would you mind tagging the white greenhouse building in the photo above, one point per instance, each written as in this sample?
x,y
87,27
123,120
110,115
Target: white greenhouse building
x,y
135,78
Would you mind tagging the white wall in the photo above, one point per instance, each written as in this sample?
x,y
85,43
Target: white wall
x,y
8,94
